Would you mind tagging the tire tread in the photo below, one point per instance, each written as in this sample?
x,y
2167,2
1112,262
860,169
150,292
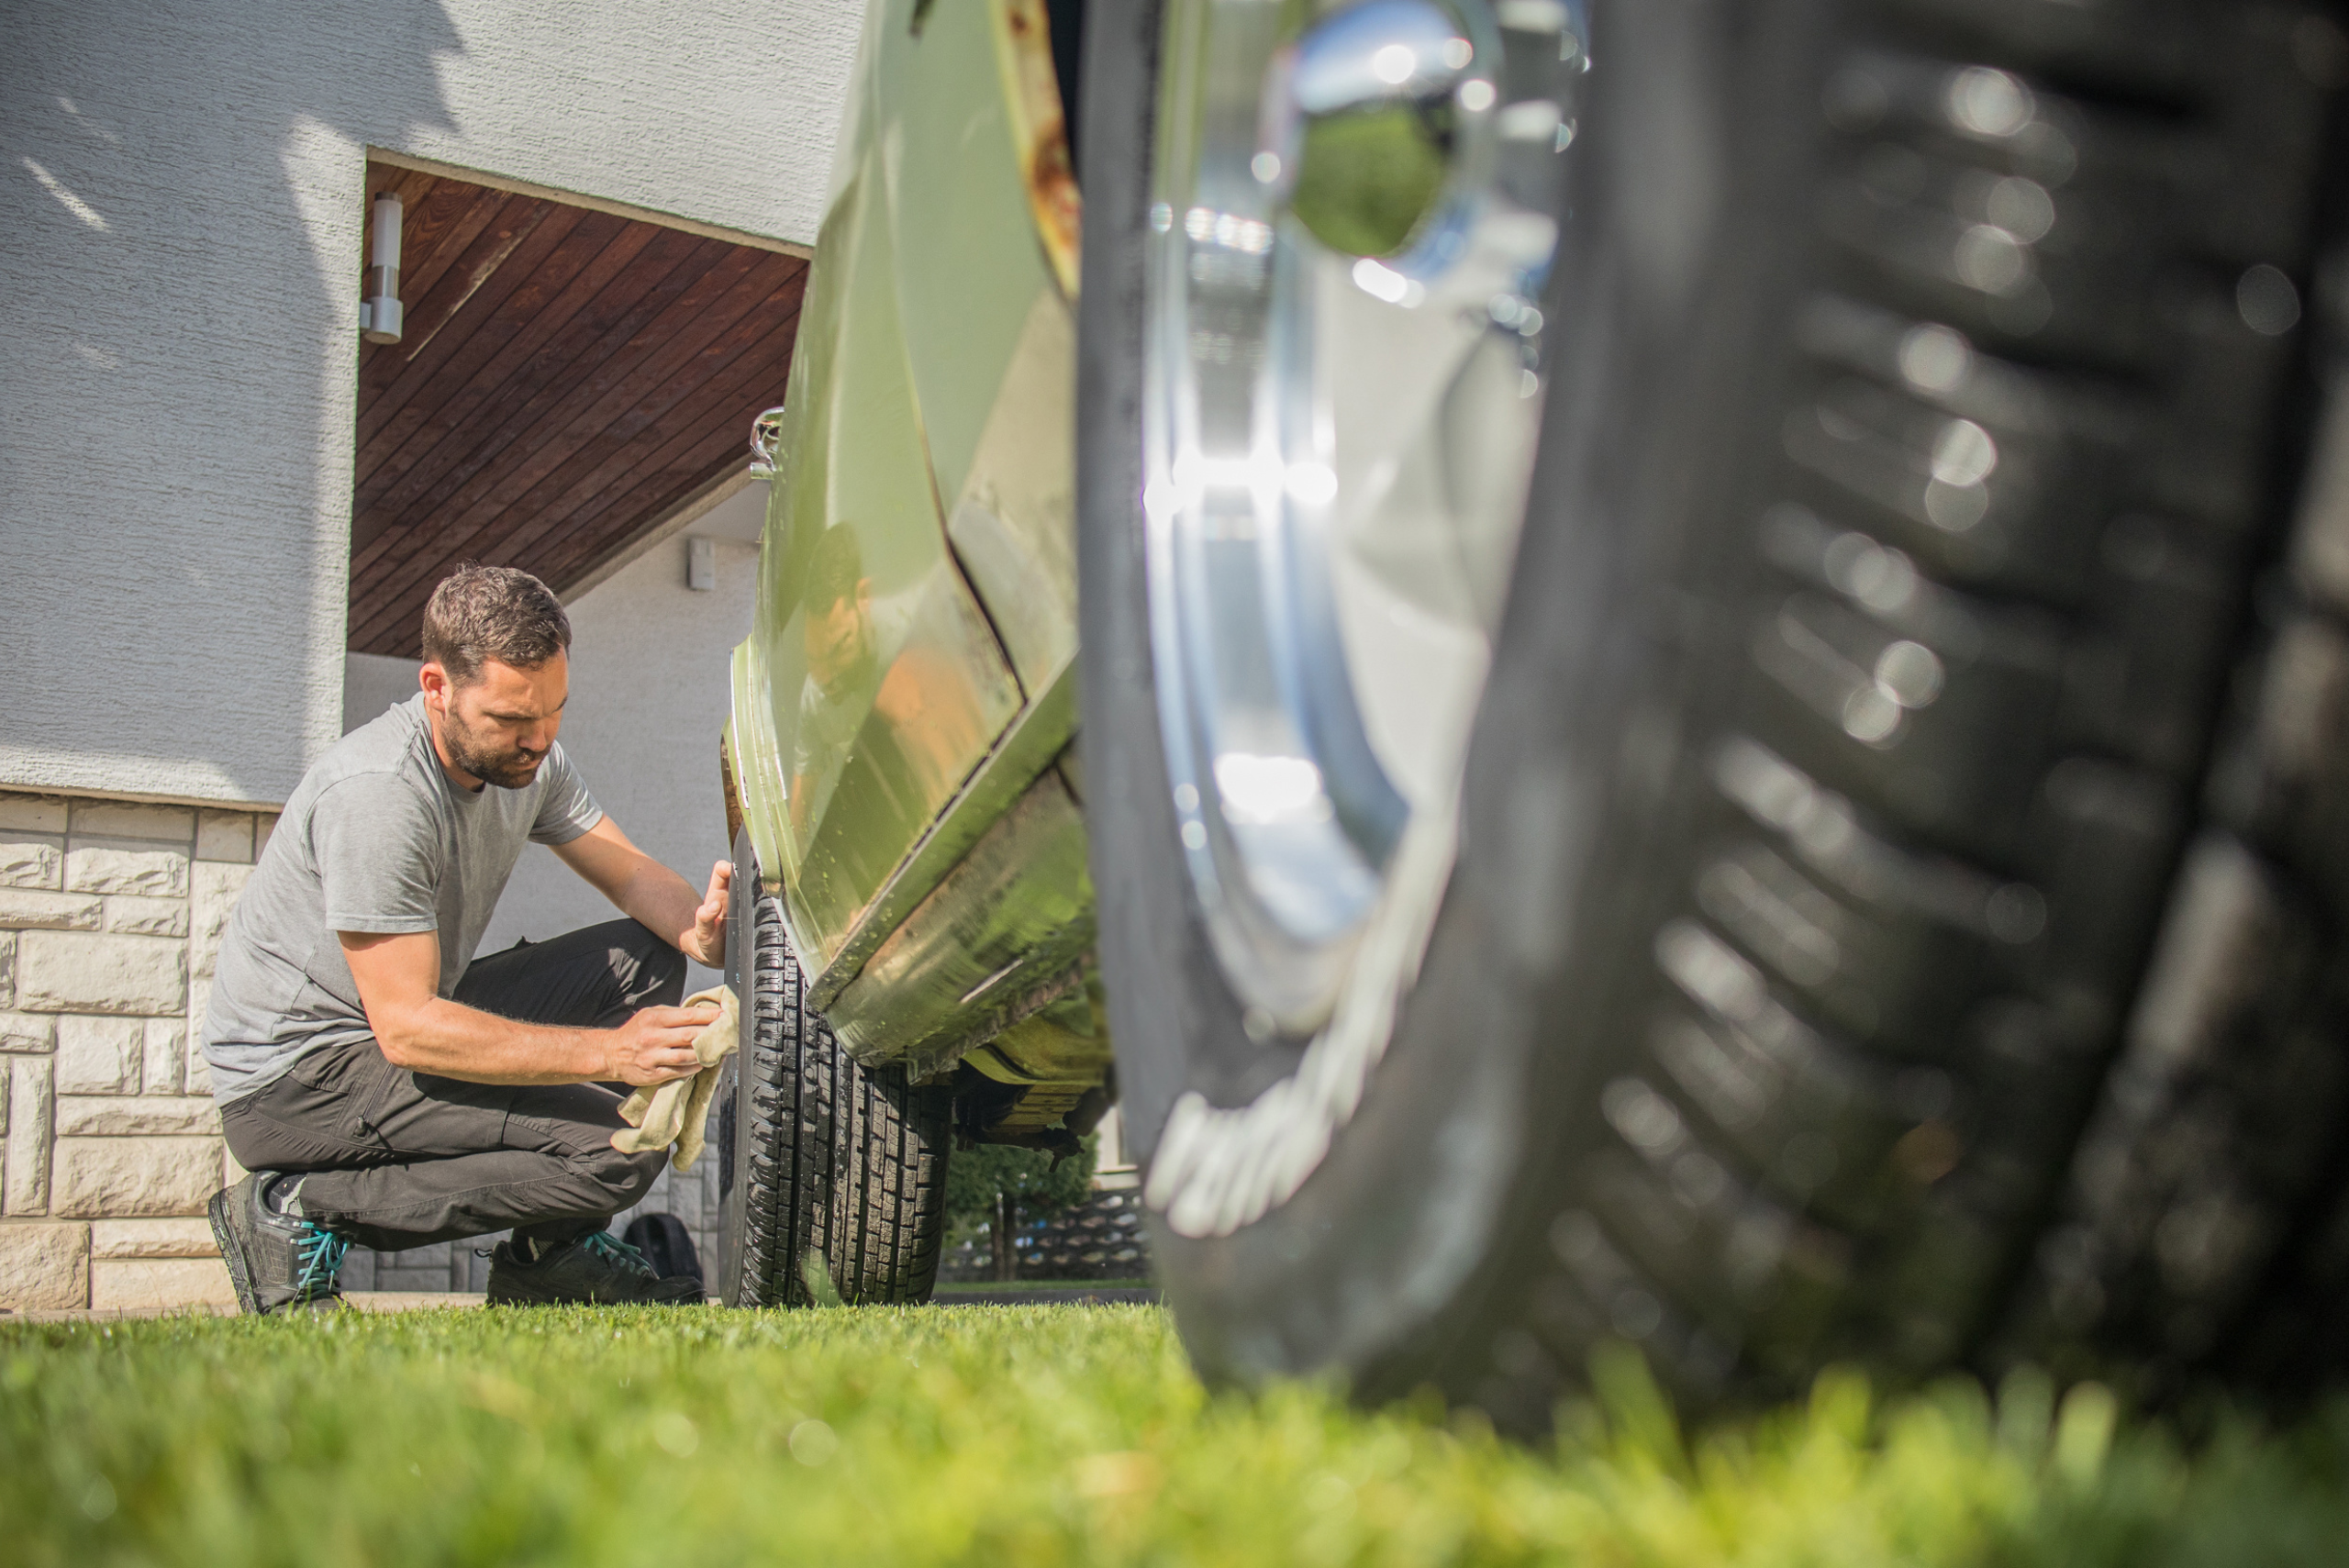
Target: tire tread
x,y
841,1158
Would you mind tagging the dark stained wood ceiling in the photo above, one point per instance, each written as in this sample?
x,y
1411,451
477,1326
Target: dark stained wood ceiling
x,y
567,379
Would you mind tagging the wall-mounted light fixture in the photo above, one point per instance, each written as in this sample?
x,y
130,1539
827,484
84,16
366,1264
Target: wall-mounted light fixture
x,y
379,311
701,564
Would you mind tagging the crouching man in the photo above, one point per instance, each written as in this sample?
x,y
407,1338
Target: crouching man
x,y
381,1085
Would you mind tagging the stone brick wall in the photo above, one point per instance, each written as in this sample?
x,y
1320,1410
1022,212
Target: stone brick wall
x,y
110,921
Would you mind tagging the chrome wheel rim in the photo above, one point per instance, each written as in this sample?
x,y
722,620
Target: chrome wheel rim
x,y
1354,210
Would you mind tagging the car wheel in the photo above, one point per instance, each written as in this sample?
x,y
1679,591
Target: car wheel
x,y
1827,453
833,1174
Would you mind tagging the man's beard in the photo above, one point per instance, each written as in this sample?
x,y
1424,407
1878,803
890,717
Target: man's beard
x,y
507,770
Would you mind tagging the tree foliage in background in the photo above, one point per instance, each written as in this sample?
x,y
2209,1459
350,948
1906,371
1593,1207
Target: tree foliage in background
x,y
976,1177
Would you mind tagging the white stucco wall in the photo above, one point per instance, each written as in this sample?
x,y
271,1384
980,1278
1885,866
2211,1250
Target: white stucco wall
x,y
181,206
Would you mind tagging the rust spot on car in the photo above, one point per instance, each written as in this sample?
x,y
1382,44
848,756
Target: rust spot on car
x,y
1040,133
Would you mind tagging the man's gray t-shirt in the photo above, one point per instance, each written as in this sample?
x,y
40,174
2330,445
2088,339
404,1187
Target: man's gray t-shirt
x,y
378,839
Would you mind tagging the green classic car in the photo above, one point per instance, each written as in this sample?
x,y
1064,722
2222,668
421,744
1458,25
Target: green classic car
x,y
1571,647
899,754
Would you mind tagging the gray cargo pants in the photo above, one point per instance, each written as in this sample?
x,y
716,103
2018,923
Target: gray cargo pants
x,y
395,1159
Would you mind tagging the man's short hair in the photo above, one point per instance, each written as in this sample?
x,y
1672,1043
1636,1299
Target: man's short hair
x,y
480,613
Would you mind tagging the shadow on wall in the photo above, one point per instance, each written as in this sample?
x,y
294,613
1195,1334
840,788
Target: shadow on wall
x,y
179,291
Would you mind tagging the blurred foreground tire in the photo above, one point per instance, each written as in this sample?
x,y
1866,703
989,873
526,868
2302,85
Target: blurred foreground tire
x,y
830,1171
1898,907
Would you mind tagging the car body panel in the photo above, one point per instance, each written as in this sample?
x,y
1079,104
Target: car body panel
x,y
958,215
1025,750
747,754
885,685
1013,523
908,684
1005,934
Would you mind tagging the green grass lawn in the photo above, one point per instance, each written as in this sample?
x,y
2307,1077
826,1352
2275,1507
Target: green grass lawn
x,y
1034,1435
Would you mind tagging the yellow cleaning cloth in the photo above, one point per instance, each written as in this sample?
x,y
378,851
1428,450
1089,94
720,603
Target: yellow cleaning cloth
x,y
673,1112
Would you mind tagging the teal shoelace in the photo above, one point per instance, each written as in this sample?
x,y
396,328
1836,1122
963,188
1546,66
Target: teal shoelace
x,y
604,1244
321,1252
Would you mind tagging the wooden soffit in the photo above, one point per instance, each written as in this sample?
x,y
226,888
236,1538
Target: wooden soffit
x,y
568,378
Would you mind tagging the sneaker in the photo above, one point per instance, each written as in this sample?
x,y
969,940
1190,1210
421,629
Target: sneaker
x,y
275,1257
598,1269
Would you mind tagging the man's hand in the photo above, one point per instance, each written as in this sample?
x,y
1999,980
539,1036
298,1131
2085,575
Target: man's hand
x,y
423,1031
708,942
656,1045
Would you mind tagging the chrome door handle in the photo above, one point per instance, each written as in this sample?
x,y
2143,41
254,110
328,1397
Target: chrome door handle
x,y
764,430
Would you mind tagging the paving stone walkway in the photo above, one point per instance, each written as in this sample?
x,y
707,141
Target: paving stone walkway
x,y
365,1300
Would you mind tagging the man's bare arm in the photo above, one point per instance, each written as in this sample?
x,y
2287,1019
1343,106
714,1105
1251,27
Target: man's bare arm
x,y
418,1028
649,892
